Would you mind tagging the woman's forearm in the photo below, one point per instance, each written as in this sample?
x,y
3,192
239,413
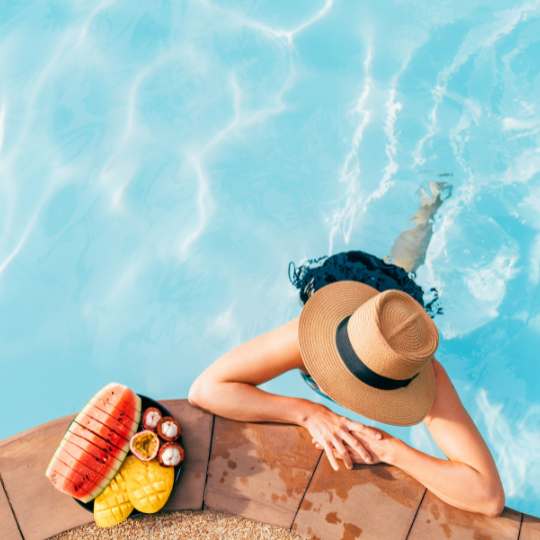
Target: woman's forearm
x,y
247,403
458,484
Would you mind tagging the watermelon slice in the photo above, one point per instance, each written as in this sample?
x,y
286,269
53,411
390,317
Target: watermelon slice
x,y
102,431
78,487
87,435
124,430
97,464
96,443
119,397
86,469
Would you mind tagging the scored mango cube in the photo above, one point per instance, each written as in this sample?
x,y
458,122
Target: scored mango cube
x,y
112,505
149,485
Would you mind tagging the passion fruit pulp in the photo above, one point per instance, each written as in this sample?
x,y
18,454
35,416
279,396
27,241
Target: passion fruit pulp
x,y
171,454
144,445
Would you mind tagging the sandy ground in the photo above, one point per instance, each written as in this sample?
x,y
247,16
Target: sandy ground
x,y
203,525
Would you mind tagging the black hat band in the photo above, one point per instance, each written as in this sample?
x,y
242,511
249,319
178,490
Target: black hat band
x,y
358,368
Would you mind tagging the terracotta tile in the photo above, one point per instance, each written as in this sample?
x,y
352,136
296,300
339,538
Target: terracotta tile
x,y
8,525
196,428
530,528
259,471
41,510
370,502
437,520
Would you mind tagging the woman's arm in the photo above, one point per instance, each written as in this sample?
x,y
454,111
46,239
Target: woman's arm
x,y
229,388
469,479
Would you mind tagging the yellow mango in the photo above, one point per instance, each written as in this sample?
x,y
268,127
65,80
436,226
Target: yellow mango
x,y
149,485
112,505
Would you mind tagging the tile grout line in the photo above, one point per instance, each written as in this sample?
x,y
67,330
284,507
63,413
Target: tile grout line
x,y
11,507
520,526
306,490
416,514
208,462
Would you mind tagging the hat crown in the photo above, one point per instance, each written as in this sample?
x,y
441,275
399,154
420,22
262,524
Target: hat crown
x,y
393,335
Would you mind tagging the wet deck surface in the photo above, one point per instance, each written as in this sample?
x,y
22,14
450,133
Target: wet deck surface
x,y
264,472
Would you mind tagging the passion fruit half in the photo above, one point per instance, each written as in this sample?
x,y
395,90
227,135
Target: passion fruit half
x,y
151,418
168,429
171,454
144,445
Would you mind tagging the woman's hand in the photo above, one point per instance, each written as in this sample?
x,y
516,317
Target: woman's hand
x,y
379,449
340,437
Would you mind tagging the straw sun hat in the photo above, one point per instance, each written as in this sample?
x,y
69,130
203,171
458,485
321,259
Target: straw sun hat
x,y
370,352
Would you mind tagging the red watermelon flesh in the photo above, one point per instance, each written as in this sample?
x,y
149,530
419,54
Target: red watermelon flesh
x,y
119,397
64,485
103,455
84,469
76,485
110,422
87,435
102,431
103,464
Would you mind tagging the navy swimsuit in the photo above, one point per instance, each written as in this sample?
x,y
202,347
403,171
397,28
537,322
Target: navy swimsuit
x,y
356,266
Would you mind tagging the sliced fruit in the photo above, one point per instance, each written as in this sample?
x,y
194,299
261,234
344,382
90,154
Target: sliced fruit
x,y
69,488
84,469
114,425
113,505
120,397
65,479
144,445
102,431
96,443
106,468
92,438
149,485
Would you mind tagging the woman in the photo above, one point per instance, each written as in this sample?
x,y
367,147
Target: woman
x,y
364,340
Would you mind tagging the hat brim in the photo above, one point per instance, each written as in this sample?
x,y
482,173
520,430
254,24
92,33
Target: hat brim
x,y
316,333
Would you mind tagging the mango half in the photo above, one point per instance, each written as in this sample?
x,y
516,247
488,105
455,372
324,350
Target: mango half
x,y
112,505
149,485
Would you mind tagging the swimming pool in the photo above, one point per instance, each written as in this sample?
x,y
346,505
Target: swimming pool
x,y
162,163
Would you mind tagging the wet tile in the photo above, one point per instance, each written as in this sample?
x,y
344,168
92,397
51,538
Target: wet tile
x,y
196,426
41,510
530,528
8,525
259,471
437,520
370,502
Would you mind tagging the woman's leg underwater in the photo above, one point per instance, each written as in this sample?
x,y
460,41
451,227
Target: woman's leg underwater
x,y
409,249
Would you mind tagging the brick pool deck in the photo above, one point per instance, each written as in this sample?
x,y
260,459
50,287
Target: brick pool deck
x,y
264,472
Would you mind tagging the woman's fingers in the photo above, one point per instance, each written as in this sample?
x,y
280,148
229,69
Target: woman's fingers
x,y
342,451
352,443
330,455
364,430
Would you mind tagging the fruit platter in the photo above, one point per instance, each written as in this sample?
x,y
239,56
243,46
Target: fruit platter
x,y
120,457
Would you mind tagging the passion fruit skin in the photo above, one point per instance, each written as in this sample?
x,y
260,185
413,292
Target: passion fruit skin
x,y
144,445
149,418
164,429
163,451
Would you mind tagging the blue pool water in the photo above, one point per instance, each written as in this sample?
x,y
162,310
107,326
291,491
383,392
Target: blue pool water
x,y
162,162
